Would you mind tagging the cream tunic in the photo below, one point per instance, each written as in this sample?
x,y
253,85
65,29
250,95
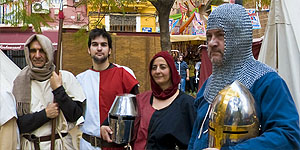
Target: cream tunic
x,y
41,96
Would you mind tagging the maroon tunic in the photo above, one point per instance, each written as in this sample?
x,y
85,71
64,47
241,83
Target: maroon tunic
x,y
145,111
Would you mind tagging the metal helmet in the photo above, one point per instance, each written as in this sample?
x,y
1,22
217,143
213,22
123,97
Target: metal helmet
x,y
121,118
232,117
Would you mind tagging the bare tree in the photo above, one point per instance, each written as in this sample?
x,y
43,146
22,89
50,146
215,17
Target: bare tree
x,y
163,8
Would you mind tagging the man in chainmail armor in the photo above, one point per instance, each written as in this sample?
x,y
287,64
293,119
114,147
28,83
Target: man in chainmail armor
x,y
229,40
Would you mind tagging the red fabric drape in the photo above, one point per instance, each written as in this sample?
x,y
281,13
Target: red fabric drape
x,y
206,67
256,48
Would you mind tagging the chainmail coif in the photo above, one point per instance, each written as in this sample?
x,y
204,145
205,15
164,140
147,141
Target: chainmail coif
x,y
238,61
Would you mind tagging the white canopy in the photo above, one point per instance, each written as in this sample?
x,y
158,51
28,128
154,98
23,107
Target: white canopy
x,y
281,45
8,72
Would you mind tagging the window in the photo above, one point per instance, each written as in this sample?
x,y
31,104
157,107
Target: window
x,y
122,23
17,56
55,3
5,10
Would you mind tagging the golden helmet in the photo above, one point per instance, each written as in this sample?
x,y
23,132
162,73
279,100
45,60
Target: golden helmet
x,y
232,117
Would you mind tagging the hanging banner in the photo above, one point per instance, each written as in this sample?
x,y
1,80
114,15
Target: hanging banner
x,y
254,18
199,25
184,15
172,26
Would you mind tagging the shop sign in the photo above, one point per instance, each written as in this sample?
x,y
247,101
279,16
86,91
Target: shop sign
x,y
147,29
12,46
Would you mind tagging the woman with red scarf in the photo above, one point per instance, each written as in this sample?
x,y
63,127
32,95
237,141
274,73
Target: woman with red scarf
x,y
166,115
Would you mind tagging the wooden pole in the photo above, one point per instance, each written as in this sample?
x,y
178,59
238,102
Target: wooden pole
x,y
58,53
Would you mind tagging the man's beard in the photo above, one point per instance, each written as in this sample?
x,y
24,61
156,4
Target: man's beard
x,y
99,60
217,62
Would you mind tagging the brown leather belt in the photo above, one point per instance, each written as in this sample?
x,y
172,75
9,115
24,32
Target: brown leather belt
x,y
98,142
36,140
93,140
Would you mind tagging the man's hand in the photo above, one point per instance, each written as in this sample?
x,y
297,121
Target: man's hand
x,y
105,133
52,110
55,80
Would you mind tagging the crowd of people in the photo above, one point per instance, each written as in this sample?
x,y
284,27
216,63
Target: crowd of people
x,y
189,74
168,118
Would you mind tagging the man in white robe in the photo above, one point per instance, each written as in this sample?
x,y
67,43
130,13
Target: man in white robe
x,y
35,88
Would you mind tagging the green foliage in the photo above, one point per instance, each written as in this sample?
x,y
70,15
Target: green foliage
x,y
37,21
20,16
81,36
217,2
106,6
100,8
103,7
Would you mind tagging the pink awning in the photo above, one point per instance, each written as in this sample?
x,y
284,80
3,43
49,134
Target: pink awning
x,y
16,40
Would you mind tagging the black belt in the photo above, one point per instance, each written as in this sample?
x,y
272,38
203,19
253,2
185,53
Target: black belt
x,y
36,140
98,142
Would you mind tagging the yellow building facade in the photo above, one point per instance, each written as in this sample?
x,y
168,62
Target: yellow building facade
x,y
136,17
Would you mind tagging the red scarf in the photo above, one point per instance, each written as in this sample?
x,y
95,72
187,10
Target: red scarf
x,y
156,90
